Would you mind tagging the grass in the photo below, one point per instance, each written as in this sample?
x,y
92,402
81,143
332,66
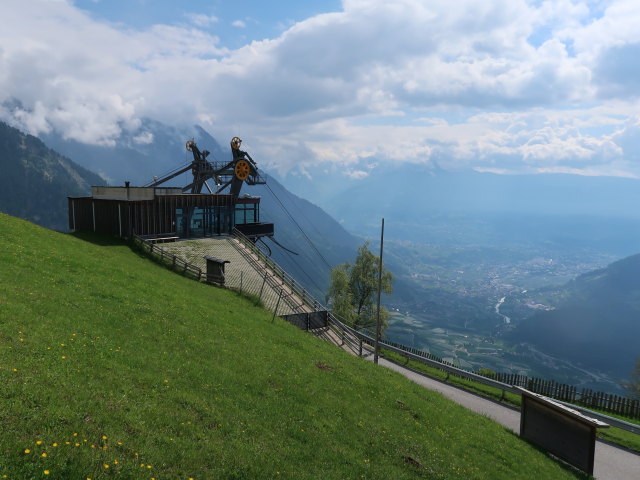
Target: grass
x,y
112,366
617,436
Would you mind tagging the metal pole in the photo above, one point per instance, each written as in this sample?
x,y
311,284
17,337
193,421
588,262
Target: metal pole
x,y
277,305
378,322
263,282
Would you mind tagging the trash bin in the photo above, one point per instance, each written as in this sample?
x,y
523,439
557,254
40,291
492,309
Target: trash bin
x,y
215,270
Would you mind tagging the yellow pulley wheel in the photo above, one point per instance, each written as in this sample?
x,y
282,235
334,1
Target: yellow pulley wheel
x,y
242,169
235,143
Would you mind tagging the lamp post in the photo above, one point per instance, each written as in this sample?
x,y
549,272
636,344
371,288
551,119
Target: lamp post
x,y
378,322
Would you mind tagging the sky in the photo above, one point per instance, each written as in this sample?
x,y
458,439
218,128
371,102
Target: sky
x,y
504,86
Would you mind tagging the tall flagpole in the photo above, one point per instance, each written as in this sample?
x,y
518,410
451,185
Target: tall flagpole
x,y
378,322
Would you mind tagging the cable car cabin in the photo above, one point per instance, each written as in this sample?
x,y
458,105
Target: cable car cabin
x,y
165,212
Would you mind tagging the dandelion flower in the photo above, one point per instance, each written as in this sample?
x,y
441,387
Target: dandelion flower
x,y
44,454
39,442
26,450
54,444
104,437
75,434
106,465
46,472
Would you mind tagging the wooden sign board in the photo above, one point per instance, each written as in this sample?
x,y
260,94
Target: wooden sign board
x,y
560,430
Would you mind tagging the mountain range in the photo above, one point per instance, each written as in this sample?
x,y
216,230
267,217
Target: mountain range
x,y
36,180
595,320
433,212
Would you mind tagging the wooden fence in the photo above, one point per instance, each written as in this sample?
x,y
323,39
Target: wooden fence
x,y
169,259
586,397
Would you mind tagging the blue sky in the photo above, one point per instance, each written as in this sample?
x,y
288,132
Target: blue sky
x,y
506,86
236,23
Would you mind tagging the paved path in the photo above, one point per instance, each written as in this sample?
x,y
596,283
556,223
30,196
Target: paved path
x,y
611,463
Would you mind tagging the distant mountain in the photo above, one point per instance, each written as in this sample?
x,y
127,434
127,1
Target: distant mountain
x,y
36,180
430,205
596,321
153,150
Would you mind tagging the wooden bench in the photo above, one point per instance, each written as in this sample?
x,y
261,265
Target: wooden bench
x,y
162,239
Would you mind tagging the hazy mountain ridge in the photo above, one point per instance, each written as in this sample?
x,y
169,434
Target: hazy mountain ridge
x,y
596,320
36,180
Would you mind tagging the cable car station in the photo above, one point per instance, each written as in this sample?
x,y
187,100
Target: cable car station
x,y
156,211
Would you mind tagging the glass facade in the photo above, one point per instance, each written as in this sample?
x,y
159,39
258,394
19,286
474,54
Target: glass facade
x,y
203,222
246,213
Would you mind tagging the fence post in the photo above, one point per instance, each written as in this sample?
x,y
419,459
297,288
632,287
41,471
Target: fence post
x,y
263,282
241,283
277,305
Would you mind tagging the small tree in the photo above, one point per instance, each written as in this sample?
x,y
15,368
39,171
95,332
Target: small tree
x,y
633,387
354,288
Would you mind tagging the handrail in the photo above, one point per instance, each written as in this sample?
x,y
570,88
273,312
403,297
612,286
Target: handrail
x,y
287,279
614,422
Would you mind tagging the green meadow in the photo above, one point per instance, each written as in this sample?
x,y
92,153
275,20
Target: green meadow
x,y
113,366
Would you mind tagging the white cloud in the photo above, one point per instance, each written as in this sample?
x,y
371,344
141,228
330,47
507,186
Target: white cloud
x,y
239,24
503,84
201,20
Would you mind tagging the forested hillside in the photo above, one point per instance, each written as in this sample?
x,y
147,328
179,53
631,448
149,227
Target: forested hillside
x,y
36,180
596,320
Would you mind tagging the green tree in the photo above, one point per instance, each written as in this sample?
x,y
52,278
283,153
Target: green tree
x,y
633,386
354,289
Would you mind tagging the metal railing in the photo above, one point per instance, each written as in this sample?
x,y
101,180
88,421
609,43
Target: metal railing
x,y
357,336
306,299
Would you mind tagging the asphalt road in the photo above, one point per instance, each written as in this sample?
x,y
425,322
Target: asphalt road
x,y
610,463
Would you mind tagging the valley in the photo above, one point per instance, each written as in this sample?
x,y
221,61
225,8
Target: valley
x,y
471,298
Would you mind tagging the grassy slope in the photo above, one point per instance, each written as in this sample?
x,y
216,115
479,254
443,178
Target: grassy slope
x,y
120,367
613,435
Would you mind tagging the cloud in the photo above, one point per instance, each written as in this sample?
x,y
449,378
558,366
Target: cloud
x,y
239,24
508,85
201,20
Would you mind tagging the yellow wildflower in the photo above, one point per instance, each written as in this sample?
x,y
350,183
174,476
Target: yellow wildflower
x,y
46,472
26,450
